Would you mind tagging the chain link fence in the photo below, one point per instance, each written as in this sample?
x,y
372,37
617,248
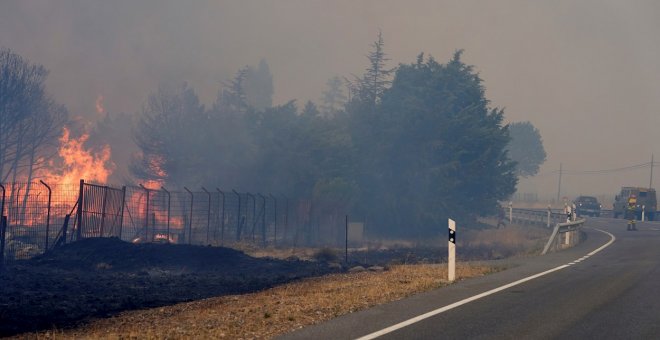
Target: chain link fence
x,y
36,217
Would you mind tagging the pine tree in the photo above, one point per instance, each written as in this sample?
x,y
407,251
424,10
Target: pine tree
x,y
333,98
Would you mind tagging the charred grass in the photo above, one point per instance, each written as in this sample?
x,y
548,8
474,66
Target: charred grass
x,y
274,311
161,291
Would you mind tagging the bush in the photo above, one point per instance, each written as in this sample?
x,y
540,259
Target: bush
x,y
326,255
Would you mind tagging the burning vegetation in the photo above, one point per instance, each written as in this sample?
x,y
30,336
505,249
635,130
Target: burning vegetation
x,y
77,162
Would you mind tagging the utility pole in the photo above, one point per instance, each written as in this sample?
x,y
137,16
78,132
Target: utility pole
x,y
559,185
651,180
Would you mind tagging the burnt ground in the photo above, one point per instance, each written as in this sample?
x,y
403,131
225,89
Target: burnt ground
x,y
100,277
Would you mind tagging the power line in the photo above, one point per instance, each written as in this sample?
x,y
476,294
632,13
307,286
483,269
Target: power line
x,y
599,172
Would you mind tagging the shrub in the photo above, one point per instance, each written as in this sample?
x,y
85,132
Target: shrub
x,y
326,255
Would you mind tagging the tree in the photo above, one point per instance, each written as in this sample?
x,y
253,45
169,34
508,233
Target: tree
x,y
168,135
30,120
258,86
232,97
440,151
310,110
526,148
333,98
370,87
364,124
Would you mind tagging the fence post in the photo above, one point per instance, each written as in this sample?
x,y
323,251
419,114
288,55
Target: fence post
x,y
192,198
103,205
346,241
146,217
222,223
121,217
275,219
80,211
254,208
208,217
238,218
3,227
168,213
286,216
47,214
263,219
2,205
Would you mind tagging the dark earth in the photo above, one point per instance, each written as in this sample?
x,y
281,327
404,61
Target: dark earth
x,y
100,277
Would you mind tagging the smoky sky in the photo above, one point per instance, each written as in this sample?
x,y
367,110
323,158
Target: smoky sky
x,y
585,73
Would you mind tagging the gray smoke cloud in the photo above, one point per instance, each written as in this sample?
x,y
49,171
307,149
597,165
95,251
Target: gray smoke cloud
x,y
585,73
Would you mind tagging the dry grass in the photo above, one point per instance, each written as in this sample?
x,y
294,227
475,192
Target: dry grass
x,y
285,308
274,311
525,240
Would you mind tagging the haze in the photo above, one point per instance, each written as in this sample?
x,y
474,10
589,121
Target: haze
x,y
584,73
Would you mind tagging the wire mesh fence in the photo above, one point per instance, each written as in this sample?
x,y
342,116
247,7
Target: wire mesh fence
x,y
38,216
33,213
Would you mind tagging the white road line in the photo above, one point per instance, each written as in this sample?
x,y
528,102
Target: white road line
x,y
477,297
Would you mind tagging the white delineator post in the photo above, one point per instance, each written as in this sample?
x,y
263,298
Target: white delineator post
x,y
451,261
643,211
549,215
510,212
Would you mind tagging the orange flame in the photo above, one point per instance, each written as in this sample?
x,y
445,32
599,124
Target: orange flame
x,y
80,163
99,105
156,167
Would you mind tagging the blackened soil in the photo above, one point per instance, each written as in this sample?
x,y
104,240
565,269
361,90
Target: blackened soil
x,y
100,277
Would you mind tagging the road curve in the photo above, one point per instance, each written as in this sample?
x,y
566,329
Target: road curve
x,y
612,294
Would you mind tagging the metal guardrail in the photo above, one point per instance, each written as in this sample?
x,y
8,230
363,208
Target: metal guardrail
x,y
536,216
563,230
568,229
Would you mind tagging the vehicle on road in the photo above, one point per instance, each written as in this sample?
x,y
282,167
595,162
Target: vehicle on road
x,y
587,206
646,202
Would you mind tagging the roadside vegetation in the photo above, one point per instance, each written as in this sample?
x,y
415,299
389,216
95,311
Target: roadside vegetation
x,y
287,307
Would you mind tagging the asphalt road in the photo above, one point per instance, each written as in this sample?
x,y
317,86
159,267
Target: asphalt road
x,y
613,293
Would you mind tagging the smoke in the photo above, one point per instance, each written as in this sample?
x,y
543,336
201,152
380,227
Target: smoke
x,y
584,73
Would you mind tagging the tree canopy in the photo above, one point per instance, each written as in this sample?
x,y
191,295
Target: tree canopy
x,y
526,148
437,150
411,147
30,120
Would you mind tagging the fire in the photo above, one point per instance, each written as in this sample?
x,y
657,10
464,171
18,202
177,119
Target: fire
x,y
79,163
99,105
156,167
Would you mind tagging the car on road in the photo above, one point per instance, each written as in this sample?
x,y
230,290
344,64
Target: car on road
x,y
587,206
646,202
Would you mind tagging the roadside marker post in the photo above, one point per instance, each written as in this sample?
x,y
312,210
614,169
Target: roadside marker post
x,y
451,273
643,211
